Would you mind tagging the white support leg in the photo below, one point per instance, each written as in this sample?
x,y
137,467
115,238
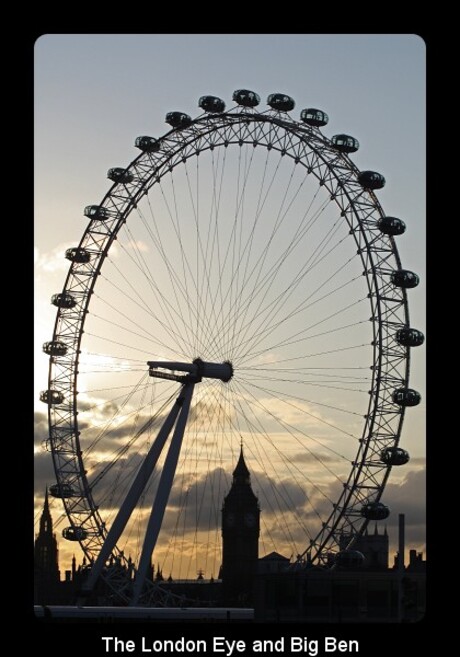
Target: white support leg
x,y
133,496
162,496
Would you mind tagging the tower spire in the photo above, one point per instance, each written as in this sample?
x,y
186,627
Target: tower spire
x,y
241,473
46,558
46,523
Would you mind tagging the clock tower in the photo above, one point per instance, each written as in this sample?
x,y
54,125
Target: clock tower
x,y
240,538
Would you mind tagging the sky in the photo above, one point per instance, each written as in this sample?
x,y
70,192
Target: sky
x,y
95,93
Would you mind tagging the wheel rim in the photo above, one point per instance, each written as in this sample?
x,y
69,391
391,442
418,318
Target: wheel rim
x,y
356,212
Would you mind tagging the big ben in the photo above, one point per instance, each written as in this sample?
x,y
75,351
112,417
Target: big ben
x,y
240,538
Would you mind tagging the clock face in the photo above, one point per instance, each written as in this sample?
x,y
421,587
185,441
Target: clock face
x,y
230,520
249,520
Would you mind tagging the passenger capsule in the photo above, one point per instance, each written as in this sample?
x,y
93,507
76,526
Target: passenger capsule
x,y
211,104
404,278
55,348
178,119
51,397
406,397
78,254
392,226
371,180
96,212
349,559
281,102
395,456
246,98
345,143
75,533
410,337
62,491
63,300
119,175
375,511
314,117
147,144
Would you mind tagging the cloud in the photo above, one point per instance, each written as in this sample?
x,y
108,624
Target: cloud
x,y
313,459
43,464
290,505
137,245
53,261
293,412
408,497
200,498
43,472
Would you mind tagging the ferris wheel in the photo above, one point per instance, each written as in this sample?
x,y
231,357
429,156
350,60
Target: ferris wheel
x,y
238,284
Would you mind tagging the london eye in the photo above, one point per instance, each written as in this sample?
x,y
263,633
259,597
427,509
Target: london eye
x,y
238,284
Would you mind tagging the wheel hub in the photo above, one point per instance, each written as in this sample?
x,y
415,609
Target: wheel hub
x,y
197,370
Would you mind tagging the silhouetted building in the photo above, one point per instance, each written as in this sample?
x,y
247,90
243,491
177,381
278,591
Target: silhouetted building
x,y
325,595
240,538
199,592
46,566
273,563
375,548
354,590
342,590
416,562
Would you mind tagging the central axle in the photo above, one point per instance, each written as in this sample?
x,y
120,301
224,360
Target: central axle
x,y
196,371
